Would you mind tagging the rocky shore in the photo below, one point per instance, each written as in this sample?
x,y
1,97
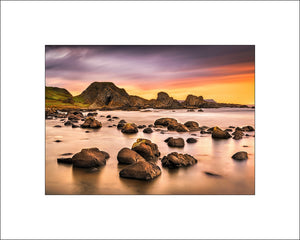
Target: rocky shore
x,y
140,159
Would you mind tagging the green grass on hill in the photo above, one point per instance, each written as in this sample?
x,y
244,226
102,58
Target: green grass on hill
x,y
58,98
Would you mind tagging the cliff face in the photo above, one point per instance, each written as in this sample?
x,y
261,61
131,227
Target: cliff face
x,y
100,94
193,101
165,101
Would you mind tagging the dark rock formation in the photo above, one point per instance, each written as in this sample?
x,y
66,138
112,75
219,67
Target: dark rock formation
x,y
129,128
90,158
57,126
175,142
148,130
238,134
191,140
178,127
176,160
100,94
248,129
193,101
68,123
91,122
128,156
141,170
239,156
218,133
65,160
165,121
192,125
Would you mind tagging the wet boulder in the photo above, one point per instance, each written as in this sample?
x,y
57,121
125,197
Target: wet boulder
x,y
175,142
165,121
68,123
240,156
248,129
176,160
238,135
218,133
178,127
74,115
128,156
57,126
91,122
65,160
146,149
191,140
192,125
92,114
147,130
141,170
129,128
90,158
141,126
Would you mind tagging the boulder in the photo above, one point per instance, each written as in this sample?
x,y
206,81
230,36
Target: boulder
x,y
238,135
57,126
90,158
148,130
68,123
165,121
146,149
141,170
75,126
92,114
239,156
91,122
200,110
108,116
178,127
65,160
218,133
128,156
141,126
175,142
129,128
228,130
192,125
176,160
191,140
248,129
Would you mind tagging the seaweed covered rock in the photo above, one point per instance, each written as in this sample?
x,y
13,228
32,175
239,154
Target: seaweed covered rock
x,y
146,149
218,133
176,160
129,128
141,170
90,158
128,156
91,122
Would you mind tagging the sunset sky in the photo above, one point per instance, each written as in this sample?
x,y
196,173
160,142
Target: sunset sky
x,y
224,73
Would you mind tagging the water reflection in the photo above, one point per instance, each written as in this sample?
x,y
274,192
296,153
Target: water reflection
x,y
86,181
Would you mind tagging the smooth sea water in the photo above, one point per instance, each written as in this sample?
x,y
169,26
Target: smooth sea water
x,y
213,155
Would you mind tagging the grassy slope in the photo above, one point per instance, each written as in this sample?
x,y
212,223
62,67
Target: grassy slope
x,y
55,97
